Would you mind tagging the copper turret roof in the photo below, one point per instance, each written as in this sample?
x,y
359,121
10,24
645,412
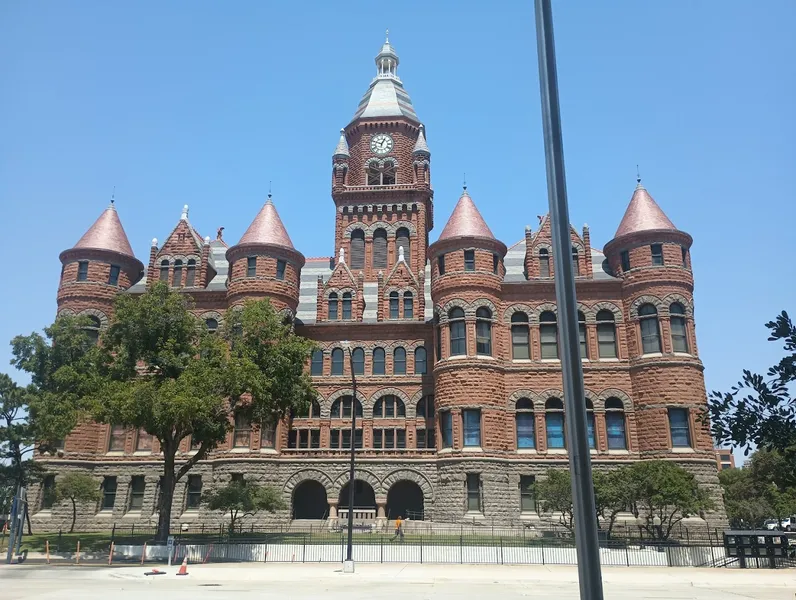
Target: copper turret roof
x,y
465,221
643,214
267,228
106,233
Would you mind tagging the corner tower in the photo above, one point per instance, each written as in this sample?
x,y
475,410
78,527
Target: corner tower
x,y
381,178
651,256
97,268
265,263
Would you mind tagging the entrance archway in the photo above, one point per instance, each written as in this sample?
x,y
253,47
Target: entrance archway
x,y
364,496
405,499
309,500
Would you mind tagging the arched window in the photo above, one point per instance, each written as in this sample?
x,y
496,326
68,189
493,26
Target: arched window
x,y
420,361
399,361
346,306
483,331
650,329
358,355
548,330
316,366
341,408
544,262
333,306
458,332
388,407
590,424
190,274
241,436
679,332
520,337
402,241
409,305
394,306
212,325
357,257
93,329
164,270
526,429
554,424
615,424
425,408
337,361
378,361
584,344
382,175
177,279
606,334
380,249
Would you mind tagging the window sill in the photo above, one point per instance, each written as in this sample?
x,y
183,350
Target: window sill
x,y
270,451
683,354
132,514
522,361
683,450
529,515
114,453
476,515
652,355
106,513
445,451
189,514
526,451
472,449
609,360
240,450
485,356
551,360
617,451
557,451
457,357
45,513
142,453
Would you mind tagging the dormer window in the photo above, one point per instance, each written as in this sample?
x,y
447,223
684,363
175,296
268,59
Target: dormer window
x,y
382,174
544,263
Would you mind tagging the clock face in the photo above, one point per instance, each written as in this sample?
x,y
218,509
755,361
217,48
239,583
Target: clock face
x,y
381,143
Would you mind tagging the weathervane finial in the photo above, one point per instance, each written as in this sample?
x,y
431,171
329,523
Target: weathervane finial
x,y
638,175
464,181
387,36
113,195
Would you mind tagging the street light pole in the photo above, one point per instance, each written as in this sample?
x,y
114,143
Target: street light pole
x,y
586,541
348,566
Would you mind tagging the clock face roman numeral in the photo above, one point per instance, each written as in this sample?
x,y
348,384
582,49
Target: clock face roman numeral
x,y
381,143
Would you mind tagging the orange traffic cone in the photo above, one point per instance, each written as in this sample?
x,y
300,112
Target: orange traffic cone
x,y
183,567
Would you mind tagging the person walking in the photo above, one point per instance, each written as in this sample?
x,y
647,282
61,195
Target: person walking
x,y
399,532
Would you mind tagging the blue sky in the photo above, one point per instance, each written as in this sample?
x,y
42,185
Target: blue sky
x,y
206,102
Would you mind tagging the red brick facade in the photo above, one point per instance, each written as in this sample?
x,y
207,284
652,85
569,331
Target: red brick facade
x,y
481,338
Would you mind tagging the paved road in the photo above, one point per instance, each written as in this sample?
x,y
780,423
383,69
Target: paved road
x,y
388,582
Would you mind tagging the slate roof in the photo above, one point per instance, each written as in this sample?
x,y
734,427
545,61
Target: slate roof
x,y
386,96
465,221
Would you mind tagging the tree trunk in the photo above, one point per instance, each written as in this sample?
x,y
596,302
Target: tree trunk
x,y
166,492
27,520
74,516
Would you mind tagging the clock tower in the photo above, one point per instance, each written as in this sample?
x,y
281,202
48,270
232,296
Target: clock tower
x,y
381,183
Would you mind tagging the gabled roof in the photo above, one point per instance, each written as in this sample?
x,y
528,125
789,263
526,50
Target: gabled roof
x,y
267,228
643,214
106,233
465,221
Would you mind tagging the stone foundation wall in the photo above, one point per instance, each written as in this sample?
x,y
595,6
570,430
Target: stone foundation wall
x,y
442,480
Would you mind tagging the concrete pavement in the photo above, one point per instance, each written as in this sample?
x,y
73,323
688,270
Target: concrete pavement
x,y
388,581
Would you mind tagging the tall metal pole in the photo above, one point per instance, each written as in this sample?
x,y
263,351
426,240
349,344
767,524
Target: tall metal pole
x,y
586,540
349,550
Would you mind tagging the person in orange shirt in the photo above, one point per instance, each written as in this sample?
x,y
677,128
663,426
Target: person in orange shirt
x,y
399,532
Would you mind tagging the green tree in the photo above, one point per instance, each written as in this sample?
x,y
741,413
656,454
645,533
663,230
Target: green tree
x,y
614,492
746,507
157,369
760,411
554,494
241,499
665,494
78,488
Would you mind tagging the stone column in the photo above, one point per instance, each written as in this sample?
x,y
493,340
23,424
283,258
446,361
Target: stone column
x,y
381,512
332,513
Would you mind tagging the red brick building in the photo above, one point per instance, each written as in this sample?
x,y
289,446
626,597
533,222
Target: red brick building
x,y
454,345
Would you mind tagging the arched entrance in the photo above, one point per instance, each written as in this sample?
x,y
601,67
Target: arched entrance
x,y
309,500
405,499
364,496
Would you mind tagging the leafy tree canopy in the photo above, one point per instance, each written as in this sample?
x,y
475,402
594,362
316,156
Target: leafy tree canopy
x,y
760,411
78,488
241,498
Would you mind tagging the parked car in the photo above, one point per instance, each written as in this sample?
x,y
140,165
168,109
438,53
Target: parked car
x,y
788,524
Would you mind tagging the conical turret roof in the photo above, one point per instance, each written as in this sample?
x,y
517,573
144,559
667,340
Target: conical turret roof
x,y
643,214
466,221
342,146
421,146
106,233
267,229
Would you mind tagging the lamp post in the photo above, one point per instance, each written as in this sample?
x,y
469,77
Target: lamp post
x,y
587,543
348,565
